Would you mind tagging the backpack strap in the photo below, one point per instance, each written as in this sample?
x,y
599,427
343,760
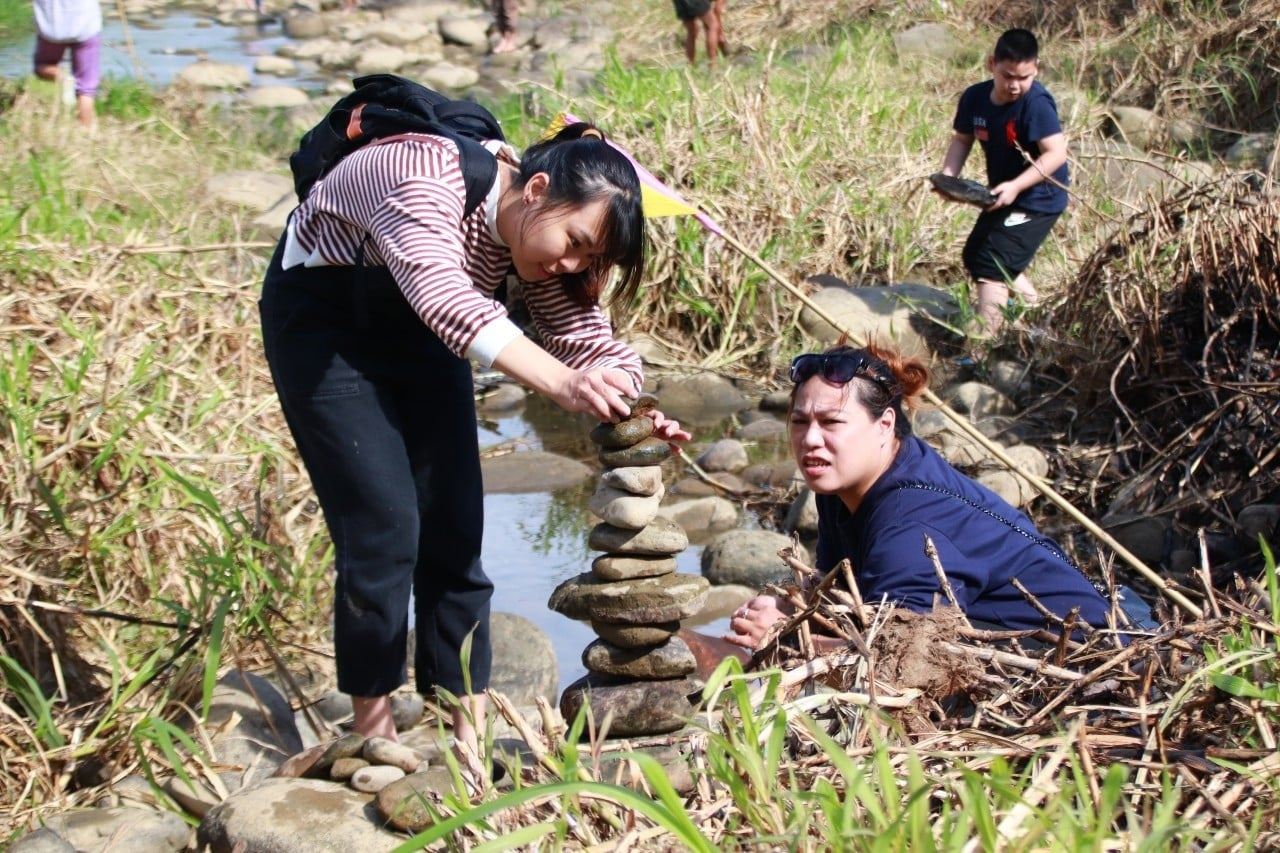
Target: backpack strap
x,y
478,164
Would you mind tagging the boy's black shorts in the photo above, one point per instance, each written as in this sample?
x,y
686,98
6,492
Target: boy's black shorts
x,y
1004,241
691,10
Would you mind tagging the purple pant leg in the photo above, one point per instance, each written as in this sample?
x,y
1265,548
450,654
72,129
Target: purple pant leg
x,y
86,65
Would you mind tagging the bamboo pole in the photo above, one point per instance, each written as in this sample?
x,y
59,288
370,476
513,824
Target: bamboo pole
x,y
987,444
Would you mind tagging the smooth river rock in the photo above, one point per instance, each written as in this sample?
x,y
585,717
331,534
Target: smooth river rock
x,y
350,745
403,803
288,815
638,708
659,538
373,779
639,480
634,602
726,454
672,659
651,451
635,636
135,829
748,557
524,660
611,568
622,434
380,750
623,509
344,768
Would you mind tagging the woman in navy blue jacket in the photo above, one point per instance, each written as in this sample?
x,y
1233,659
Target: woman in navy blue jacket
x,y
881,491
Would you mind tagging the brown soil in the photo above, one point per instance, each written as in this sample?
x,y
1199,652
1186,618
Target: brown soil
x,y
911,652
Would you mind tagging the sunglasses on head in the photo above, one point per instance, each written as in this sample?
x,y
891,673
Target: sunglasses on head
x,y
838,368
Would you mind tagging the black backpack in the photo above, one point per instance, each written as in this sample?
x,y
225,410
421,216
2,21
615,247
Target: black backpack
x,y
394,105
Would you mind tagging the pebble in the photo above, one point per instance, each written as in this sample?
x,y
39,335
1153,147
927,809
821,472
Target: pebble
x,y
371,780
348,746
379,750
344,768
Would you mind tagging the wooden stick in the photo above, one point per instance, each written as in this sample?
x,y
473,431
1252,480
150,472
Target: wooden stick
x,y
964,425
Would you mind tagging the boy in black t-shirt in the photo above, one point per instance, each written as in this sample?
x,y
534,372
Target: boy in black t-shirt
x,y
1016,121
707,13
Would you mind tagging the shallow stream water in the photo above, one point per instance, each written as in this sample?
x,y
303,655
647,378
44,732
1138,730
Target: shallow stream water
x,y
534,541
156,49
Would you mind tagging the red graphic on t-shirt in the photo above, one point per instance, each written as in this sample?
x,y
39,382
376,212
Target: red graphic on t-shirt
x,y
1010,133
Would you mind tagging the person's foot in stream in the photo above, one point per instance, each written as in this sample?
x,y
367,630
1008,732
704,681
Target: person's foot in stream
x,y
506,43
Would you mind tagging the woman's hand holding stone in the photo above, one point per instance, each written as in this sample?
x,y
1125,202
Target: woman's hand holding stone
x,y
600,391
668,429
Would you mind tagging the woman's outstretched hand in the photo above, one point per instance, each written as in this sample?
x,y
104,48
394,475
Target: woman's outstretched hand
x,y
752,621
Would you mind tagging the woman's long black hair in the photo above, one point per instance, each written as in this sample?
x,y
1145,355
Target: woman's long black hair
x,y
582,167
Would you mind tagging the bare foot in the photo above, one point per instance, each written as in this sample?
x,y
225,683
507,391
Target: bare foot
x,y
506,43
373,717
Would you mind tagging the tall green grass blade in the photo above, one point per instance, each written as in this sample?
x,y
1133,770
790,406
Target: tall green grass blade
x,y
213,656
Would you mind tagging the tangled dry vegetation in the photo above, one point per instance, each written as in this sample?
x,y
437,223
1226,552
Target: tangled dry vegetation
x,y
1183,302
150,517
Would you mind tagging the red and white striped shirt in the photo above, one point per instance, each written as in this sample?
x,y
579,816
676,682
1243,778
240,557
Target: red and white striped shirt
x,y
408,196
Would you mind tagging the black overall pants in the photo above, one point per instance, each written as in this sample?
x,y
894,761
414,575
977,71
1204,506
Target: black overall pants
x,y
384,419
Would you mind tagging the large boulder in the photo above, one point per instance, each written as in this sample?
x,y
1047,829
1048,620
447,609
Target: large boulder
x,y
143,830
380,59
929,41
524,660
283,815
532,471
1252,151
700,398
1137,126
748,557
889,314
251,726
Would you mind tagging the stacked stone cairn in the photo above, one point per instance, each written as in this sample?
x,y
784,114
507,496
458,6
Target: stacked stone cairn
x,y
638,670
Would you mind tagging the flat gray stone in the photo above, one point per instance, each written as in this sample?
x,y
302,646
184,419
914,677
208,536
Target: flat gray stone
x,y
639,480
660,538
257,191
635,636
650,451
407,709
622,434
613,568
531,471
672,659
42,840
978,400
635,602
701,398
623,509
205,74
275,97
192,796
147,831
287,815
764,431
638,708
